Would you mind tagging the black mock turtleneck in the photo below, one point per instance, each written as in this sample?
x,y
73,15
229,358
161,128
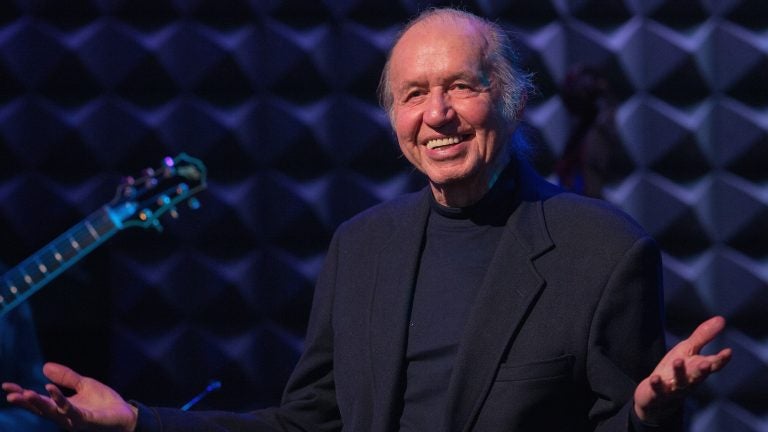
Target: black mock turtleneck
x,y
459,244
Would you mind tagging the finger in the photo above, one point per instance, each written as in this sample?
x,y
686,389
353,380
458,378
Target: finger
x,y
721,359
47,407
657,384
705,333
71,415
39,404
20,401
58,398
680,378
712,363
12,387
699,371
62,375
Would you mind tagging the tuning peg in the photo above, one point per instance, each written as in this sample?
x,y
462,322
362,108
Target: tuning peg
x,y
194,203
127,186
182,189
129,191
174,213
145,215
157,225
163,200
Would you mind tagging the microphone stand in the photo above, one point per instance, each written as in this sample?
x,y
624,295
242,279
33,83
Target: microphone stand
x,y
212,386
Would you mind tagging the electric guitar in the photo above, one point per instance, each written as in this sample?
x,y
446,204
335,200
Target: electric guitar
x,y
138,202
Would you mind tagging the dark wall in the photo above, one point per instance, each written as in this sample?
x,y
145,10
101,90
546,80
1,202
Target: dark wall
x,y
277,98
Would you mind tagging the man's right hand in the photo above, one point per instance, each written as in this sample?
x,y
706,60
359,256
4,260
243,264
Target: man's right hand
x,y
93,406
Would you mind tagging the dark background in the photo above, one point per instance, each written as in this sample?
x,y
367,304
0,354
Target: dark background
x,y
277,98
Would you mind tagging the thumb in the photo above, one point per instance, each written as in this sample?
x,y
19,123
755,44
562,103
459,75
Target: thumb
x,y
62,375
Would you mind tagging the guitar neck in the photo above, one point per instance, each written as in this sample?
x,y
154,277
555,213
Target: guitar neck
x,y
33,273
139,202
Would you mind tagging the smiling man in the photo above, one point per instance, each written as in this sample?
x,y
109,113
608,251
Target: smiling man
x,y
489,301
453,101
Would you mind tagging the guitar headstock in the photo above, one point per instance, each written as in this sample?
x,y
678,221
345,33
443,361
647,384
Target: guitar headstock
x,y
141,201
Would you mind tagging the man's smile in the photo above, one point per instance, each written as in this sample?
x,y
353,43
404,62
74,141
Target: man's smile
x,y
442,142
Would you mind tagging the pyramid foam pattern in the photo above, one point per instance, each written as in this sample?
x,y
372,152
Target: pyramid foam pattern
x,y
277,97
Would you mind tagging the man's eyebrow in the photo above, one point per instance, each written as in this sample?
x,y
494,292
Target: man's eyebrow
x,y
466,75
472,77
407,85
461,75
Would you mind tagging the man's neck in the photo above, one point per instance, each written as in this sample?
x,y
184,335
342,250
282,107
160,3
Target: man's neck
x,y
465,194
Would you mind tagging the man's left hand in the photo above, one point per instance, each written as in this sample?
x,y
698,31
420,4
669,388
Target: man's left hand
x,y
661,394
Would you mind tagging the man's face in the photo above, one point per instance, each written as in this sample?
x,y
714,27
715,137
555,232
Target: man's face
x,y
444,112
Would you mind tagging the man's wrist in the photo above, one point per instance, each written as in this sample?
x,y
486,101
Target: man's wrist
x,y
667,419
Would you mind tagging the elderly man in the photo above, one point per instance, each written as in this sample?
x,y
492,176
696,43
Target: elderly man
x,y
489,301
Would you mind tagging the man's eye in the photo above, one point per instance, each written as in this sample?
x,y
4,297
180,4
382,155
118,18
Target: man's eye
x,y
413,94
461,86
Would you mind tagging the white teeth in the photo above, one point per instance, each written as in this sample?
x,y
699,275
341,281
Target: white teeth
x,y
440,142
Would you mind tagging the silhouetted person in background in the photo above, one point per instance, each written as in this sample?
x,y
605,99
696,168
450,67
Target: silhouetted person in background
x,y
593,154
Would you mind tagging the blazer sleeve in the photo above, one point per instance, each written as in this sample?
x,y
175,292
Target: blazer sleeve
x,y
309,400
626,338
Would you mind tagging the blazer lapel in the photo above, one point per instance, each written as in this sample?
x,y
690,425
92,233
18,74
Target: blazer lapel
x,y
510,287
395,277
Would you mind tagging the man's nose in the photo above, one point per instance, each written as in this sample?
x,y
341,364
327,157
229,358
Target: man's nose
x,y
439,109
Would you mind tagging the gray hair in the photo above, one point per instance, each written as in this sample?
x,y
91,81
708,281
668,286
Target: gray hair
x,y
508,80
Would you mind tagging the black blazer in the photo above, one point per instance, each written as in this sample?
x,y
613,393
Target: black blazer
x,y
566,323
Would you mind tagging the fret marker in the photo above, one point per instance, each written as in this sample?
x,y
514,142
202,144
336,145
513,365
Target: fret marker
x,y
58,257
91,230
42,268
74,244
2,299
14,290
27,279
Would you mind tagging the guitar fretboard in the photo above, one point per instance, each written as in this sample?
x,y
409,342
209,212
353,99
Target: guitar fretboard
x,y
33,273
